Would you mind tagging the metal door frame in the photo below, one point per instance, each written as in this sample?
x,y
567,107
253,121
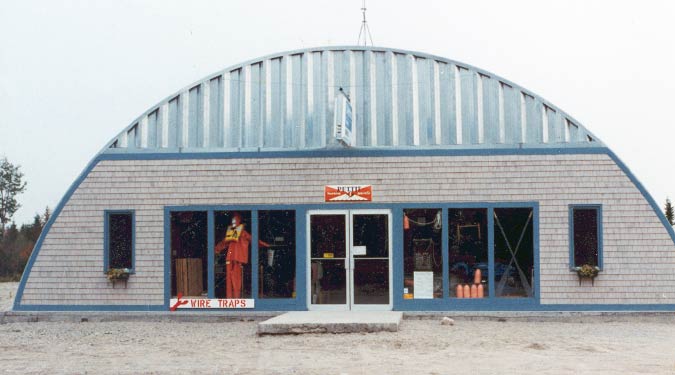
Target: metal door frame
x,y
349,261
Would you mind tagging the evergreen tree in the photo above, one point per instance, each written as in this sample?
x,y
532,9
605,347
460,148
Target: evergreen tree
x,y
46,216
11,185
670,214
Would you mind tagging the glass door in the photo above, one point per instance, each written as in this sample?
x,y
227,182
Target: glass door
x,y
328,259
370,260
349,260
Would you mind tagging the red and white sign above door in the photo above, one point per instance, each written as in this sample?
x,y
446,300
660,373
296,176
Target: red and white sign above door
x,y
348,193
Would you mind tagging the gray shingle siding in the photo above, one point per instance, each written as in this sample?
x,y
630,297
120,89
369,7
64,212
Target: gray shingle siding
x,y
639,256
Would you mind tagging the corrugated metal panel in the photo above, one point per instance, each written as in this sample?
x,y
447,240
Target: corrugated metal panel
x,y
399,98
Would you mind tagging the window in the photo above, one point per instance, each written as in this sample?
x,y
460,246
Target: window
x,y
422,254
468,253
232,254
276,254
189,255
585,236
514,252
119,240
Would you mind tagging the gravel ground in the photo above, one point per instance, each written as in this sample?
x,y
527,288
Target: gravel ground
x,y
7,293
421,347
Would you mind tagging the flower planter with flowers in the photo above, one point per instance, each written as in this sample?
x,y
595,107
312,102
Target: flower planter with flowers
x,y
587,271
118,274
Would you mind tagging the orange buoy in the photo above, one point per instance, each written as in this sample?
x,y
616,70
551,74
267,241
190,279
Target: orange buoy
x,y
467,291
474,291
481,291
477,276
459,291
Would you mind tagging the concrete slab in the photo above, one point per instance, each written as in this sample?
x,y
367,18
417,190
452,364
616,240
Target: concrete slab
x,y
299,322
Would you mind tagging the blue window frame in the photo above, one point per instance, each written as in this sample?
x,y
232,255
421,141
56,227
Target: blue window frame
x,y
490,302
119,249
585,235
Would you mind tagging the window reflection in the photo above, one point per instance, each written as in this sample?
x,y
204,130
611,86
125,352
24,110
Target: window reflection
x,y
276,254
422,254
189,253
232,252
585,236
468,253
514,252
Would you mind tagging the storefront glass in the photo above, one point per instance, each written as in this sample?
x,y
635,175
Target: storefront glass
x,y
232,265
189,255
276,254
422,254
468,253
328,251
514,252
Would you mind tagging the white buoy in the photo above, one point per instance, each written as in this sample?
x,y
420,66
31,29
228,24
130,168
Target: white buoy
x,y
446,321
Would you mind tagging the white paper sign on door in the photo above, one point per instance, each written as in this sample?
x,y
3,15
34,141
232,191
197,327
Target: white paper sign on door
x,y
359,250
424,285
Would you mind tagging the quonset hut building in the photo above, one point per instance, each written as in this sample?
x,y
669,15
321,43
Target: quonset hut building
x,y
456,190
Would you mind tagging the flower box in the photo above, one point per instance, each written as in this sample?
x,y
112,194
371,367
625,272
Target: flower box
x,y
587,271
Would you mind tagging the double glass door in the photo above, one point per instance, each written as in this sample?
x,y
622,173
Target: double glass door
x,y
350,260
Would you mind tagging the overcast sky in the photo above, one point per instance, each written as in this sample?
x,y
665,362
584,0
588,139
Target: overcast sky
x,y
74,73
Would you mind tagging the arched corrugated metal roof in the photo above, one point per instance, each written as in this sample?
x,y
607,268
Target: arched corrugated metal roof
x,y
400,99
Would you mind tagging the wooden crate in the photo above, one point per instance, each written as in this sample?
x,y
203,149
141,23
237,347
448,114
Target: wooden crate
x,y
189,281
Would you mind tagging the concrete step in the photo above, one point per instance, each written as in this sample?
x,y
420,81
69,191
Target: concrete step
x,y
299,322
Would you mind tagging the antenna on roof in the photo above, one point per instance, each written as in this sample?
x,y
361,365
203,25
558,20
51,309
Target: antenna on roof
x,y
365,30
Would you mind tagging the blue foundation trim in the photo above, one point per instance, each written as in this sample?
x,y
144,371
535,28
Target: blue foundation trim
x,y
301,257
91,308
261,306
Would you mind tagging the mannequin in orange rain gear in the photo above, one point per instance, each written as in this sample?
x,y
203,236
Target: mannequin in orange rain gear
x,y
236,242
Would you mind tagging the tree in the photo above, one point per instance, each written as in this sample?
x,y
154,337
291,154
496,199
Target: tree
x,y
46,216
11,185
670,214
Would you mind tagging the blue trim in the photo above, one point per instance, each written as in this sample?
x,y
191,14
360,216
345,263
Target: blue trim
x,y
167,258
106,238
300,259
598,228
91,308
38,245
211,254
451,303
260,306
645,194
444,253
323,153
254,254
397,255
491,251
351,152
536,279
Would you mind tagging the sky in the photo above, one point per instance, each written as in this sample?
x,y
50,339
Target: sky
x,y
75,73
